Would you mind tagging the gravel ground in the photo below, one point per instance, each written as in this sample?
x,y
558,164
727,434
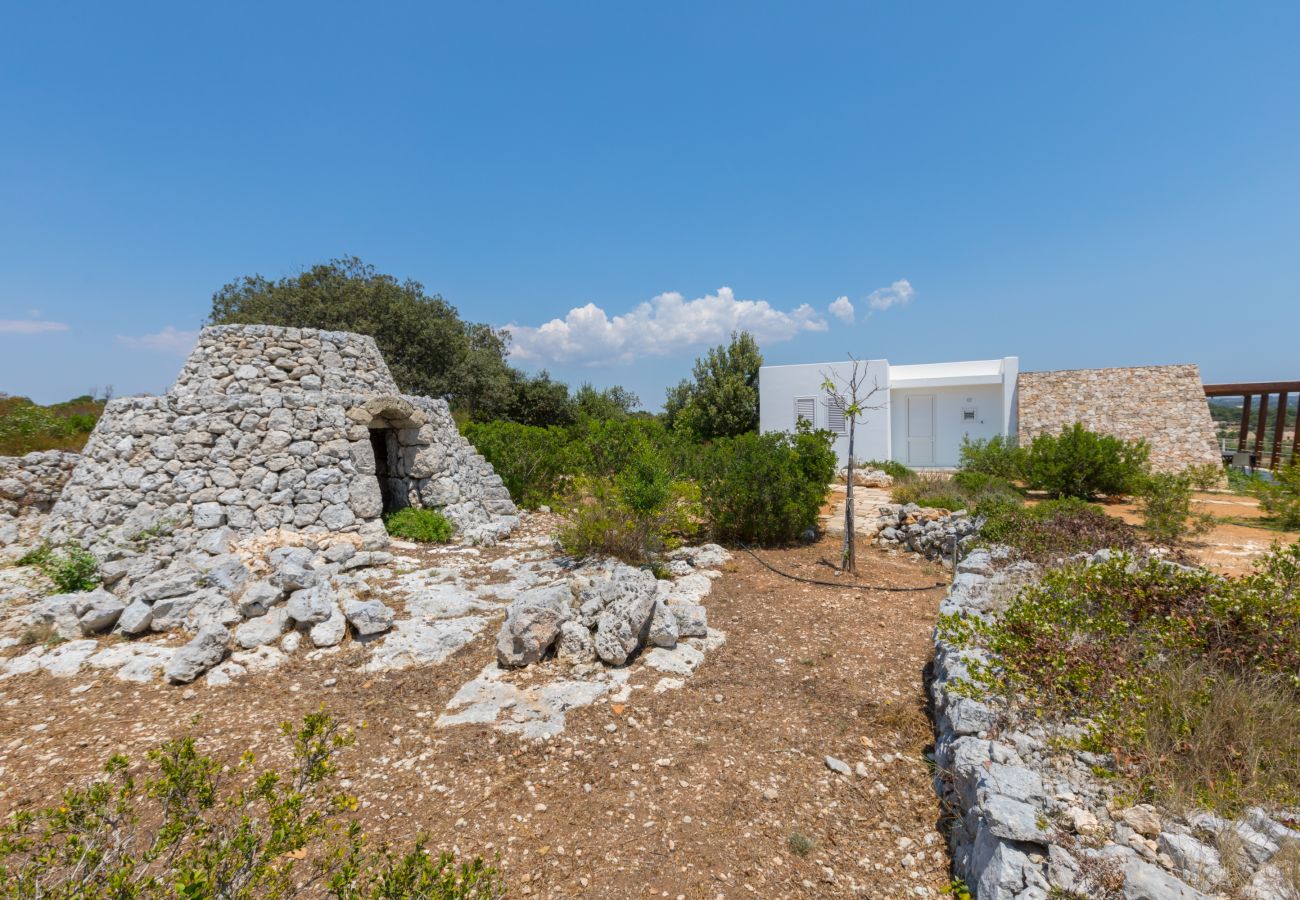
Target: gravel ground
x,y
691,792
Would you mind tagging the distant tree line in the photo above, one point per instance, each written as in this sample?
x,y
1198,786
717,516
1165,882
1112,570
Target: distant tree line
x,y
432,351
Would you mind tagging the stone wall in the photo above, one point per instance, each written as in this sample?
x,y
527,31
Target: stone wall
x,y
248,359
34,482
1030,819
239,441
1163,405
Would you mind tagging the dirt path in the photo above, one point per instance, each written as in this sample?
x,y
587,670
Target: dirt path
x,y
690,793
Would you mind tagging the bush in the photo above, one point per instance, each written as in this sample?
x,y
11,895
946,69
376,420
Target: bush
x,y
531,461
963,490
1152,658
26,426
635,517
427,526
1280,498
766,488
998,456
1054,529
1084,464
195,828
1165,499
71,567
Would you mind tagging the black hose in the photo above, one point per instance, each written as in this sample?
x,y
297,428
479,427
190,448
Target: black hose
x,y
836,584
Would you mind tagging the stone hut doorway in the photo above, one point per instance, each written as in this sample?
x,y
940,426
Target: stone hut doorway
x,y
396,432
392,486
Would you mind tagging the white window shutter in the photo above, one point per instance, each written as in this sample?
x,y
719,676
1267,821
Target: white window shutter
x,y
805,408
835,415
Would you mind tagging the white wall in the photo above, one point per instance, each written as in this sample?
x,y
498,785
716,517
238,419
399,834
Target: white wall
x,y
778,386
986,399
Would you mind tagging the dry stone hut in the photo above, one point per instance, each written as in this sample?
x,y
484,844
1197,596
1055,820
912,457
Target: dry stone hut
x,y
277,429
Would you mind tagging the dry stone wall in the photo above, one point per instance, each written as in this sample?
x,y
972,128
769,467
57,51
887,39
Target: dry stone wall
x,y
34,482
1163,405
272,429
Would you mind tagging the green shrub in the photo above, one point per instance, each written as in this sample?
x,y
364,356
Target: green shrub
x,y
26,426
1053,529
1084,464
1165,499
70,566
766,488
998,456
427,526
532,461
962,490
1152,658
1280,498
889,467
635,517
194,828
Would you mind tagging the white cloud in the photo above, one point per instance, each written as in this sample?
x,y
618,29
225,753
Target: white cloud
x,y
842,309
169,340
900,293
30,326
668,323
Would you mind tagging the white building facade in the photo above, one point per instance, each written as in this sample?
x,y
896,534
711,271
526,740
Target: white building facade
x,y
918,414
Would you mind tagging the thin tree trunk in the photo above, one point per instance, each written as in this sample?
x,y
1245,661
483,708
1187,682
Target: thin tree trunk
x,y
850,560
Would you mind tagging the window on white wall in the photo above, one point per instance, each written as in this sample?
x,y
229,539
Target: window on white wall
x,y
835,422
805,408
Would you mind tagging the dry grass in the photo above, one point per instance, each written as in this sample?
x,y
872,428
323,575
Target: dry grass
x,y
1221,740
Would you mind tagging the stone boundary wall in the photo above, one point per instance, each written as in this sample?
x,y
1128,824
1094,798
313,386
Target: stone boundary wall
x,y
34,482
1030,821
248,359
1163,405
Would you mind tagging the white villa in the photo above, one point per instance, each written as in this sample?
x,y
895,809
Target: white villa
x,y
921,414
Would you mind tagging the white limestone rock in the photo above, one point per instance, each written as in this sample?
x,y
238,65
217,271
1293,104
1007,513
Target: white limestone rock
x,y
202,653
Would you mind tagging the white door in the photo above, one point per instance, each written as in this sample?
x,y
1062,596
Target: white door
x,y
920,430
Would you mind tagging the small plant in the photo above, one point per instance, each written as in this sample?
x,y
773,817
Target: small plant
x,y
1165,499
799,843
634,517
426,526
957,889
1280,498
160,529
197,829
70,566
42,633
1084,464
964,490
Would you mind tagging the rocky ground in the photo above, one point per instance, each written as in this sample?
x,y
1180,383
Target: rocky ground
x,y
688,779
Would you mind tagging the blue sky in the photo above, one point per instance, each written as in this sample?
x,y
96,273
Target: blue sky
x,y
1080,185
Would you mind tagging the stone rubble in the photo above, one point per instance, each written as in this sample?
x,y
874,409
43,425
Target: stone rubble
x,y
1032,822
933,533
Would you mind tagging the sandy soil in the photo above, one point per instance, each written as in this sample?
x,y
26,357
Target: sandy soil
x,y
1229,547
687,793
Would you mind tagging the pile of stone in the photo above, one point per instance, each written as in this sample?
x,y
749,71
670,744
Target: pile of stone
x,y
29,486
608,612
933,533
1031,821
865,476
291,595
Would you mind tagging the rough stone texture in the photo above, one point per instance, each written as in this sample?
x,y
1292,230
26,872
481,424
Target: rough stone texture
x,y
532,624
367,616
33,482
199,655
268,428
1163,405
933,533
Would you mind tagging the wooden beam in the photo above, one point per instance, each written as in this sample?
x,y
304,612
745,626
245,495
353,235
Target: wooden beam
x,y
1240,389
1245,424
1259,428
1278,428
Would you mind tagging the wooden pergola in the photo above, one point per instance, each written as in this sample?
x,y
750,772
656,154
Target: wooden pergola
x,y
1264,390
